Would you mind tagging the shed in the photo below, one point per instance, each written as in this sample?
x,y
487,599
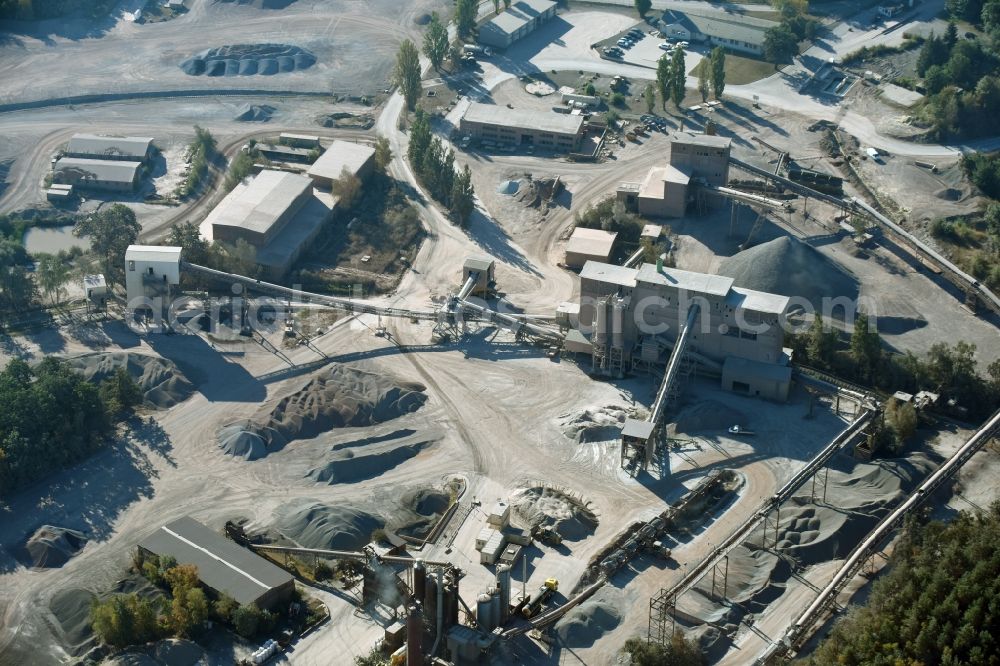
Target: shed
x,y
299,140
492,549
652,233
96,289
764,380
499,516
358,159
223,566
589,245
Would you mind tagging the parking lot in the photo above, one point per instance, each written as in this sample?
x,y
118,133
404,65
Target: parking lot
x,y
645,49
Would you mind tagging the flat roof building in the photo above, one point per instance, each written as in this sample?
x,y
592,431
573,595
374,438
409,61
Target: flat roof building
x,y
357,158
279,213
485,270
589,245
738,33
704,156
106,175
545,130
223,566
510,25
120,148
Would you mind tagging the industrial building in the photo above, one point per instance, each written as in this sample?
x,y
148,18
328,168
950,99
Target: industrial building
x,y
496,125
91,174
485,270
665,192
633,315
277,212
589,245
358,159
151,273
737,33
116,148
223,566
520,19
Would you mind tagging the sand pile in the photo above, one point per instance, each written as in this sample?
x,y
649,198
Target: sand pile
x,y
536,192
255,113
585,624
508,187
706,416
249,60
51,547
789,267
593,424
950,194
348,467
551,507
312,524
336,397
346,120
71,609
162,383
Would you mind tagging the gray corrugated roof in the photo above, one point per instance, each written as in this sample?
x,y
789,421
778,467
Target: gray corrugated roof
x,y
258,205
339,156
520,13
542,121
478,263
744,366
741,28
222,565
108,171
121,146
692,139
591,242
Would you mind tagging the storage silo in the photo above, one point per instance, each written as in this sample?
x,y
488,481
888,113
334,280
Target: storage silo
x,y
601,326
495,605
618,323
419,580
503,583
414,635
484,605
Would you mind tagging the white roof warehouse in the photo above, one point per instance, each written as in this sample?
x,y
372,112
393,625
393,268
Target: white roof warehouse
x,y
123,148
543,129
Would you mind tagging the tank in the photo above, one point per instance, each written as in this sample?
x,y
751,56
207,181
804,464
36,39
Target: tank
x,y
503,583
430,595
618,324
419,580
484,605
601,325
450,617
495,606
414,635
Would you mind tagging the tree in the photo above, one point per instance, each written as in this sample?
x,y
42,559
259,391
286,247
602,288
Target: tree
x,y
679,652
821,342
678,76
246,620
496,6
463,196
347,188
407,73
780,44
933,52
663,79
718,64
436,41
420,139
17,290
187,235
649,95
383,154
111,231
119,392
465,16
224,607
188,611
866,346
643,7
373,658
951,35
124,620
902,418
703,86
52,273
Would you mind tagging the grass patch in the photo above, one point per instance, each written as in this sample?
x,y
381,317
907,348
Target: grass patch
x,y
740,70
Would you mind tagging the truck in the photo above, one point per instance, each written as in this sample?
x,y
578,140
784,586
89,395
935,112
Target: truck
x,y
545,592
475,49
546,534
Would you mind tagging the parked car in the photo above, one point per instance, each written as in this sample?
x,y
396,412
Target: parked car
x,y
683,45
667,46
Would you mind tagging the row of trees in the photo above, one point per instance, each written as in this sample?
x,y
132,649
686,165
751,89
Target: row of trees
x,y
938,604
50,417
201,152
434,165
948,370
671,77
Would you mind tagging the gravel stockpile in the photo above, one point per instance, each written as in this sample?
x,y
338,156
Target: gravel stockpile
x,y
162,383
313,524
255,113
348,467
249,60
179,652
588,622
71,609
51,547
789,267
336,397
551,507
